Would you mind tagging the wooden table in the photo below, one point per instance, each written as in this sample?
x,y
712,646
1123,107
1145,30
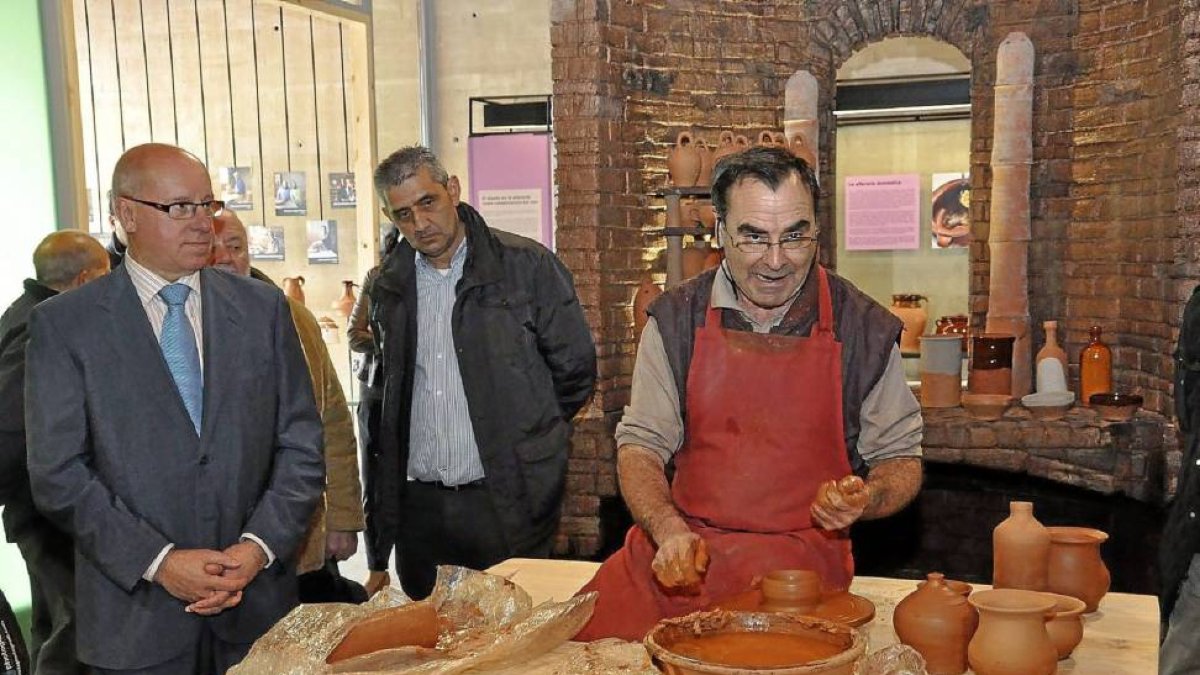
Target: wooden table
x,y
1122,637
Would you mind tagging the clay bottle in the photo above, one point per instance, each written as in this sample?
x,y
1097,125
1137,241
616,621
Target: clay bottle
x,y
1095,367
1076,568
345,304
1012,638
646,293
293,287
1051,361
683,162
1020,550
936,621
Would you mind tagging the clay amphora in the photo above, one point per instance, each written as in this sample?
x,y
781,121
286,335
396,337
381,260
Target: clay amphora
x,y
293,287
683,162
1066,626
991,364
796,591
1076,568
799,148
695,257
724,147
1020,550
1051,361
766,140
941,371
345,304
1095,367
1012,637
646,293
780,139
937,622
908,307
704,178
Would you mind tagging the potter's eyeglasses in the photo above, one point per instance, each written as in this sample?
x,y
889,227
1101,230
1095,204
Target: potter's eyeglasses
x,y
759,244
183,210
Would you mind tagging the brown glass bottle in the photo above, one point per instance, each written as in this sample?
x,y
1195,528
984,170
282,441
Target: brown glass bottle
x,y
1095,367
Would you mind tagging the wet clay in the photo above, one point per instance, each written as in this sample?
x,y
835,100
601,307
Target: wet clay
x,y
414,624
754,650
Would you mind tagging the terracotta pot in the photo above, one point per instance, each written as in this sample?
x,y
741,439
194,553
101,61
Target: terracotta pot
x,y
646,292
683,162
958,324
1020,550
1065,628
725,147
791,591
1012,637
293,287
908,307
1051,368
1075,567
766,140
991,364
937,622
345,304
704,178
941,371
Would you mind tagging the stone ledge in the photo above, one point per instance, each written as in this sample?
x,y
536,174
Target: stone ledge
x,y
1081,449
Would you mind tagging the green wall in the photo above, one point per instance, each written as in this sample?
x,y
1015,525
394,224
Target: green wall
x,y
26,189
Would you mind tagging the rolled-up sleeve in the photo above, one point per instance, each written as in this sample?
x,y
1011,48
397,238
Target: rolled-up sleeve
x,y
652,419
890,420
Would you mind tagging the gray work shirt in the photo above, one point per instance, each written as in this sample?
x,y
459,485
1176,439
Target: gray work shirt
x,y
891,423
441,440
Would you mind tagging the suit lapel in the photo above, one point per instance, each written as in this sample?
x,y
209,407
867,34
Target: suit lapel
x,y
132,337
222,344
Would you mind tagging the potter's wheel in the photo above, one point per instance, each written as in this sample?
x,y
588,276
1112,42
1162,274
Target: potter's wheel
x,y
847,608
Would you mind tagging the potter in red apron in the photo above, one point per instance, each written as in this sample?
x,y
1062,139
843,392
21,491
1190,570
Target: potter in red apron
x,y
764,429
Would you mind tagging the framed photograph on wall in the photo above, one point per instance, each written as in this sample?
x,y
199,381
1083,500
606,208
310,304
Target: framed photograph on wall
x,y
266,243
950,218
236,190
291,194
342,191
322,242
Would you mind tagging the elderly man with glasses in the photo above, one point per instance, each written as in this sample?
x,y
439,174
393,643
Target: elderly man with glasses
x,y
765,381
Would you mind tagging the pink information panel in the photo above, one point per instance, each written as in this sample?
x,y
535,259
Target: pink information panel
x,y
509,177
883,212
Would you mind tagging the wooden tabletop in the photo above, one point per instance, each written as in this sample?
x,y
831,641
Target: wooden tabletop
x,y
1121,637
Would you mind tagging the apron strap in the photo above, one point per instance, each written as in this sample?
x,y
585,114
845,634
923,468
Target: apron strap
x,y
825,315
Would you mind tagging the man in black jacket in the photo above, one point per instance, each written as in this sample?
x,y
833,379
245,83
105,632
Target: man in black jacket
x,y
62,261
486,358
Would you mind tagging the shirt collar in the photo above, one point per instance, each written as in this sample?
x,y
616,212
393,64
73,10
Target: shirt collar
x,y
456,261
148,284
725,296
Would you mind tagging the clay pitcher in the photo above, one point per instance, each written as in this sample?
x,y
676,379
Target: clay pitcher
x,y
646,292
725,147
704,178
293,287
1012,637
1076,568
908,307
345,304
683,162
936,621
1020,550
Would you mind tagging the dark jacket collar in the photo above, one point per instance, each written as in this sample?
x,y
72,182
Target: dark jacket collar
x,y
483,264
38,291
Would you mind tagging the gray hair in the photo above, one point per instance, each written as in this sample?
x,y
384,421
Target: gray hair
x,y
62,255
768,165
404,164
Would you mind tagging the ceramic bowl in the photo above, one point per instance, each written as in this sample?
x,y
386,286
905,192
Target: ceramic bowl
x,y
1066,628
1116,407
1049,405
986,406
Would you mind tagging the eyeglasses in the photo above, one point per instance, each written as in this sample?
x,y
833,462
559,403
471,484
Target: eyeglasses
x,y
758,244
183,210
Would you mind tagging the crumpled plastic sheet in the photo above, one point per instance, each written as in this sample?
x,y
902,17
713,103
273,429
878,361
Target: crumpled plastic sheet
x,y
895,659
488,623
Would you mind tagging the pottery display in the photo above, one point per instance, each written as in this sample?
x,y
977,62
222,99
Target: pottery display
x,y
725,147
1065,628
1049,405
986,406
1116,407
957,324
704,177
1012,637
345,304
683,161
938,622
941,371
293,287
991,364
1075,567
907,306
1051,368
646,293
721,642
766,139
1095,367
1020,550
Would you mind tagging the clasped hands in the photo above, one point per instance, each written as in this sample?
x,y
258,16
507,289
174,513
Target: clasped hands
x,y
210,581
839,503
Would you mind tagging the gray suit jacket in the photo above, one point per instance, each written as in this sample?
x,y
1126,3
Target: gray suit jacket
x,y
115,462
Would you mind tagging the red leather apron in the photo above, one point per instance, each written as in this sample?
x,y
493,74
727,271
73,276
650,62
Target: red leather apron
x,y
764,430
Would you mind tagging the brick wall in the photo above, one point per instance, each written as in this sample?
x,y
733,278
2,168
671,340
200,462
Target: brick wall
x,y
1114,156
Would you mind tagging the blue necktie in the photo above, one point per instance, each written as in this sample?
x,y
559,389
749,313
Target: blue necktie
x,y
178,344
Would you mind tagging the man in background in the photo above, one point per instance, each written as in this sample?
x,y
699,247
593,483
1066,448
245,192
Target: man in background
x,y
62,261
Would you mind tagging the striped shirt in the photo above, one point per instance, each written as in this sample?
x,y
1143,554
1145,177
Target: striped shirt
x,y
441,441
148,284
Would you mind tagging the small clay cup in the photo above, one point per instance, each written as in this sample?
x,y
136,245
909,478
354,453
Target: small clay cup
x,y
1066,627
796,591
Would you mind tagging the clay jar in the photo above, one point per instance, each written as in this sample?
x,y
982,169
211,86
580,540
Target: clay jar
x,y
293,287
725,147
907,306
1012,637
795,591
704,178
683,162
1020,550
941,371
1066,626
937,622
1075,566
991,364
345,304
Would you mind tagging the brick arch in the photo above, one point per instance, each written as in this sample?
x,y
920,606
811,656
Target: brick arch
x,y
844,27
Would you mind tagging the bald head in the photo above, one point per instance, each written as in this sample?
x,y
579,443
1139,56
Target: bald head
x,y
141,163
230,252
67,259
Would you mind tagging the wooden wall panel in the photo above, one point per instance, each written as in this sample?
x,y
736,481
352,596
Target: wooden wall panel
x,y
241,48
106,94
91,168
131,70
189,96
159,82
214,75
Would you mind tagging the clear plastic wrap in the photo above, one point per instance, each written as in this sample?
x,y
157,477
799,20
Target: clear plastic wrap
x,y
892,660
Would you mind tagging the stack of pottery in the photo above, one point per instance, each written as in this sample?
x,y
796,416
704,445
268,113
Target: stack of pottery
x,y
937,621
991,364
907,306
685,161
1063,560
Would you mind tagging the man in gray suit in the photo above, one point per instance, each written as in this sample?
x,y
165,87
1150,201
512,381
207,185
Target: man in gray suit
x,y
173,435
